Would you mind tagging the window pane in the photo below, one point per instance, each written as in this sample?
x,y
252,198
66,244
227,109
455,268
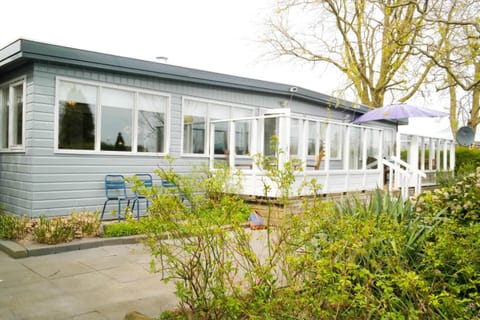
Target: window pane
x,y
4,118
388,143
336,141
151,131
221,137
269,131
373,141
76,119
312,138
355,149
117,106
242,137
242,130
151,123
294,136
17,115
222,129
194,116
241,113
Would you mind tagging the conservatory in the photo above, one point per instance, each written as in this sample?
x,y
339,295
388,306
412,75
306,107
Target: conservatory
x,y
338,157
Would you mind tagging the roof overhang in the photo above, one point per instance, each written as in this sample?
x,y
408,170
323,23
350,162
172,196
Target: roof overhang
x,y
23,51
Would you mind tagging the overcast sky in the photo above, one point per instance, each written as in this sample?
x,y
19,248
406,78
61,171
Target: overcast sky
x,y
214,35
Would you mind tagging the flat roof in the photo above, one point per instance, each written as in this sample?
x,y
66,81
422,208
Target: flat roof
x,y
23,51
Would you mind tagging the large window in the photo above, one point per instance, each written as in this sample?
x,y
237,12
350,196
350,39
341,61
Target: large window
x,y
98,117
12,110
196,116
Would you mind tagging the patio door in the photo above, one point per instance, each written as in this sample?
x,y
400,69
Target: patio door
x,y
271,128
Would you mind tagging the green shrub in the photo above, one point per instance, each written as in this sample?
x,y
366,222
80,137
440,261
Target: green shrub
x,y
13,227
467,158
64,229
54,230
128,227
451,264
461,201
379,258
86,224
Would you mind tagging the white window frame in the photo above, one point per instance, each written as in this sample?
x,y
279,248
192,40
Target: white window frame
x,y
11,84
98,119
209,102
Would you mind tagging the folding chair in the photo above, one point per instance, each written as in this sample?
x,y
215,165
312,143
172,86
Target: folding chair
x,y
115,189
147,183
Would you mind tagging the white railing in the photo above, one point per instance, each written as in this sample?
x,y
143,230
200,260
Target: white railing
x,y
403,175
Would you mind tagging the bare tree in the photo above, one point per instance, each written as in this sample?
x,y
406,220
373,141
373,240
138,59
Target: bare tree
x,y
457,23
373,43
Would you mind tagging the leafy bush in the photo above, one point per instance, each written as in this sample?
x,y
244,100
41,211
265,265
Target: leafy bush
x,y
54,230
13,227
451,265
379,258
86,224
467,158
64,229
460,200
128,227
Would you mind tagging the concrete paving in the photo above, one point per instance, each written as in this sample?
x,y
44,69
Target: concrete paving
x,y
99,283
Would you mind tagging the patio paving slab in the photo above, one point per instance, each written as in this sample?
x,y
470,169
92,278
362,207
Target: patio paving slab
x,y
99,283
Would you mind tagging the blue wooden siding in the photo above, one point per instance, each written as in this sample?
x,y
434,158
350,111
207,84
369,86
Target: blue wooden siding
x,y
40,181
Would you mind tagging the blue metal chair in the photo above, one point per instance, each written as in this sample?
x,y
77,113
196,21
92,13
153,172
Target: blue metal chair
x,y
147,183
169,185
116,190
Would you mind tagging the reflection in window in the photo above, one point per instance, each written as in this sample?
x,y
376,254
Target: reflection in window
x,y
221,135
196,116
316,137
18,114
373,140
4,115
76,125
242,130
151,123
355,148
242,137
81,118
270,130
117,106
12,106
194,126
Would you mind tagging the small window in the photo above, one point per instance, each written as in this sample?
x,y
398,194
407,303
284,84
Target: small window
x,y
12,105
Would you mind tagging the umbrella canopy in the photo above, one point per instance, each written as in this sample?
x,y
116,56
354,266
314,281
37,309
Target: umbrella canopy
x,y
397,112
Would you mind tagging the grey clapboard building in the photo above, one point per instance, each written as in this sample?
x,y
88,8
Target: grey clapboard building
x,y
68,117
